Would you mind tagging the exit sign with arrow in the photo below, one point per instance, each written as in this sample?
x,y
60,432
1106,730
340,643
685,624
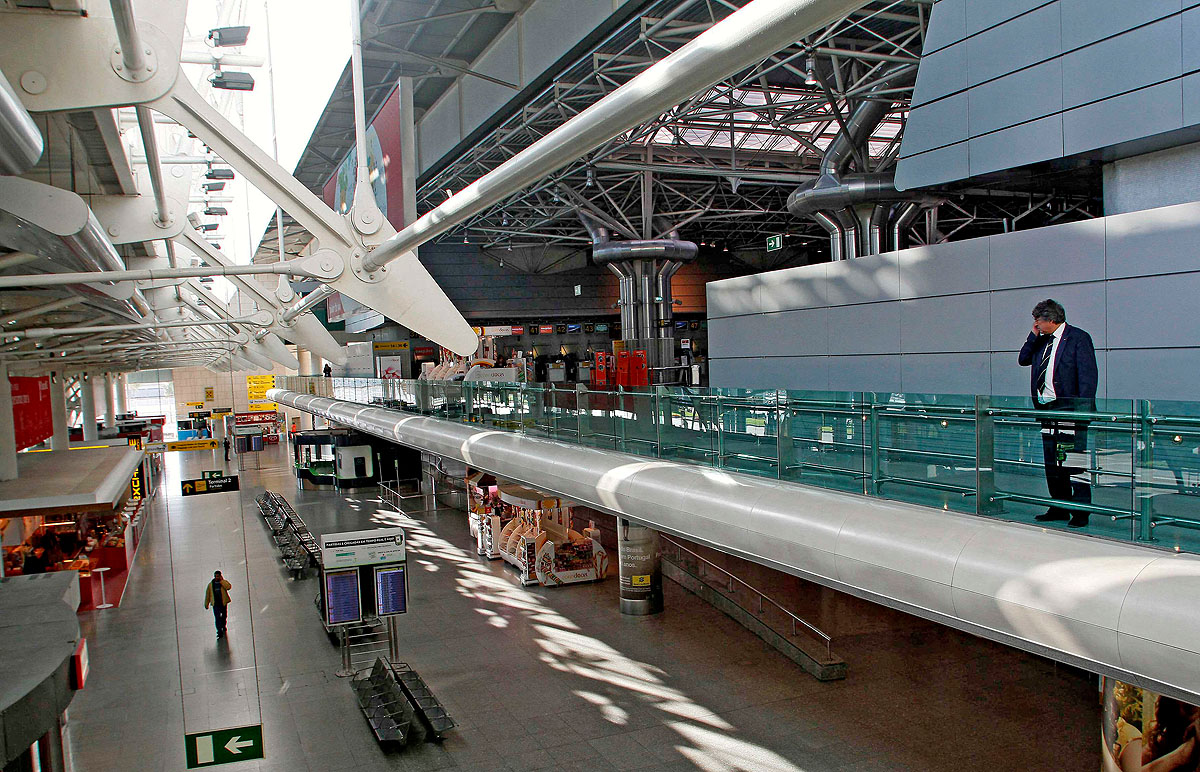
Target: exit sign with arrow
x,y
210,485
774,243
223,746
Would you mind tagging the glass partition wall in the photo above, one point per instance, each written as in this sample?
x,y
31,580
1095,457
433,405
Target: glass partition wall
x,y
1139,461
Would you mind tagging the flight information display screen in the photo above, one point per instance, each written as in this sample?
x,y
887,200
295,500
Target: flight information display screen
x,y
391,591
342,604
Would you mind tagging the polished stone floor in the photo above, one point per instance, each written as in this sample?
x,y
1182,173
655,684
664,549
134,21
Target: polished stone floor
x,y
537,678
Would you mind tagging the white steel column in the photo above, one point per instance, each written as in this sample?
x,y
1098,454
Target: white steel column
x,y
306,362
87,405
8,435
61,439
121,385
110,402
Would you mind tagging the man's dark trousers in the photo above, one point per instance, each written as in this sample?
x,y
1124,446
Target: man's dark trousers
x,y
1062,438
220,613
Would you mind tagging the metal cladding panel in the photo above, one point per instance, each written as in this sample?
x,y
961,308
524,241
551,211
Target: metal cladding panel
x,y
1135,311
440,129
1167,373
1142,113
1021,96
948,373
865,373
984,14
792,289
482,98
947,24
1133,60
1087,21
1012,313
945,324
945,73
937,166
872,328
1059,254
1020,42
1027,143
867,279
935,125
1062,595
1149,624
1152,241
730,297
785,333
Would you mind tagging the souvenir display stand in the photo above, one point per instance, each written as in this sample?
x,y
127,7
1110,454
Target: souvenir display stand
x,y
485,515
539,541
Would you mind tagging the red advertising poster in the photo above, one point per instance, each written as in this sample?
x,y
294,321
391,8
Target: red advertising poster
x,y
383,162
31,410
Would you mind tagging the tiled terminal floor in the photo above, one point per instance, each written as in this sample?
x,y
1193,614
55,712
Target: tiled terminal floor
x,y
537,678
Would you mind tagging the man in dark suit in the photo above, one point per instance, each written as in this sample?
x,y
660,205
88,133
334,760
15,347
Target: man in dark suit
x,y
1063,377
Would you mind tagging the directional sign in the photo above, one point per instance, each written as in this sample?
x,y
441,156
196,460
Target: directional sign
x,y
211,474
223,746
211,485
191,445
774,243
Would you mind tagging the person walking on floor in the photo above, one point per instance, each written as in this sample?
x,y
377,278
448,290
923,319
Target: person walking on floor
x,y
217,596
1063,378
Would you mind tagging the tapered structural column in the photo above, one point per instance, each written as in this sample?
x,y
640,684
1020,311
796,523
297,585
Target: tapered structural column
x,y
110,401
121,385
306,362
640,557
8,435
61,439
87,405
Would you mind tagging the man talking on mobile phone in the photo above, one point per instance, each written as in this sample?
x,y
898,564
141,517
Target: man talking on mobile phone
x,y
1063,379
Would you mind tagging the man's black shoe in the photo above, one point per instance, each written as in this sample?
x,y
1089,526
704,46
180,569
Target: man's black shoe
x,y
1051,515
1078,521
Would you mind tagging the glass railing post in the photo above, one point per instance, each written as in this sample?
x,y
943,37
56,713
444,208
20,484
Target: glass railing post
x,y
583,412
872,487
986,502
719,461
1143,472
621,418
468,402
785,448
658,420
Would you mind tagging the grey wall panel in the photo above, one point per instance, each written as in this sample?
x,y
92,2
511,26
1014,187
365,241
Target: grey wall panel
x,y
1034,92
941,165
786,333
982,14
865,373
947,25
803,373
1191,99
553,27
1086,21
863,280
947,74
1154,373
1044,256
948,323
1039,140
946,373
1008,378
724,373
1141,113
1154,241
792,288
1153,180
940,123
1025,40
1190,30
1012,312
482,98
1132,60
868,329
732,297
944,269
440,129
1154,312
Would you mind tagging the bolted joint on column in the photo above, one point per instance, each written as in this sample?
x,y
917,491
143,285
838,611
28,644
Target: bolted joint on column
x,y
360,263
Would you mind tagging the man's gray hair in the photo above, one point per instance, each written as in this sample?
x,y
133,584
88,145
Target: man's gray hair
x,y
1050,311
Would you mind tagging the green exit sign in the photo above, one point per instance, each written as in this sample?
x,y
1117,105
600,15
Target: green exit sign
x,y
223,746
774,243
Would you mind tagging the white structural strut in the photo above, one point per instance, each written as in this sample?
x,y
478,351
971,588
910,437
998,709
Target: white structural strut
x,y
287,268
1118,609
740,40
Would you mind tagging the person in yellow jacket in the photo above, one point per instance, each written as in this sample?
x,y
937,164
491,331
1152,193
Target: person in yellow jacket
x,y
216,594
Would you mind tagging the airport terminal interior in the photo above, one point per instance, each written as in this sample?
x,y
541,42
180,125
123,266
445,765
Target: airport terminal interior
x,y
721,385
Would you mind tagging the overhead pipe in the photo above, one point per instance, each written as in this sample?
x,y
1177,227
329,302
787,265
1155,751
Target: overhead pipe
x,y
133,56
742,39
150,274
162,216
44,308
21,143
836,236
51,332
904,216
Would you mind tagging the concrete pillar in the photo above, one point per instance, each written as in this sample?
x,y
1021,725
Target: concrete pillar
x,y
121,386
8,434
110,401
640,557
87,406
61,439
306,362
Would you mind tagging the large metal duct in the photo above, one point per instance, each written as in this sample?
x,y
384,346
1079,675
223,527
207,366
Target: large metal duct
x,y
1118,609
855,209
21,143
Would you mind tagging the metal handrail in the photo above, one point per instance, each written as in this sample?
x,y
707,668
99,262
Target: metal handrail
x,y
812,629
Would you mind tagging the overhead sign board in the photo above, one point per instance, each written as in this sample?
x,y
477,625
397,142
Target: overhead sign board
x,y
210,485
264,407
194,404
257,386
223,746
199,414
774,243
184,445
362,548
391,345
242,419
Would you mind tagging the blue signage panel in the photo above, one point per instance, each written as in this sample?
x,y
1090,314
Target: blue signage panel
x,y
342,604
391,590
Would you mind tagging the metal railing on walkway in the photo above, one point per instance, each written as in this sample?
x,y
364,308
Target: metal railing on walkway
x,y
980,455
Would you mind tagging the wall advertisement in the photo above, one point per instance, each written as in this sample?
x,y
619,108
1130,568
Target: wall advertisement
x,y
1144,730
32,421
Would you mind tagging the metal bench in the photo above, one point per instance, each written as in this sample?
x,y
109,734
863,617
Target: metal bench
x,y
383,704
427,707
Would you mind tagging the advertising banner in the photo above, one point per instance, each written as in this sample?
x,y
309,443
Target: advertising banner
x,y
390,367
1143,730
31,411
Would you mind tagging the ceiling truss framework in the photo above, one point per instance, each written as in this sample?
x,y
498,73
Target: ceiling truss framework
x,y
720,166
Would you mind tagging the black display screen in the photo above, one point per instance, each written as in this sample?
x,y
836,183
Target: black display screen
x,y
391,591
342,603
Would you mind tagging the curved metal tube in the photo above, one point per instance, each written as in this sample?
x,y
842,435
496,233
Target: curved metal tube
x,y
904,216
21,143
1118,609
654,249
836,236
